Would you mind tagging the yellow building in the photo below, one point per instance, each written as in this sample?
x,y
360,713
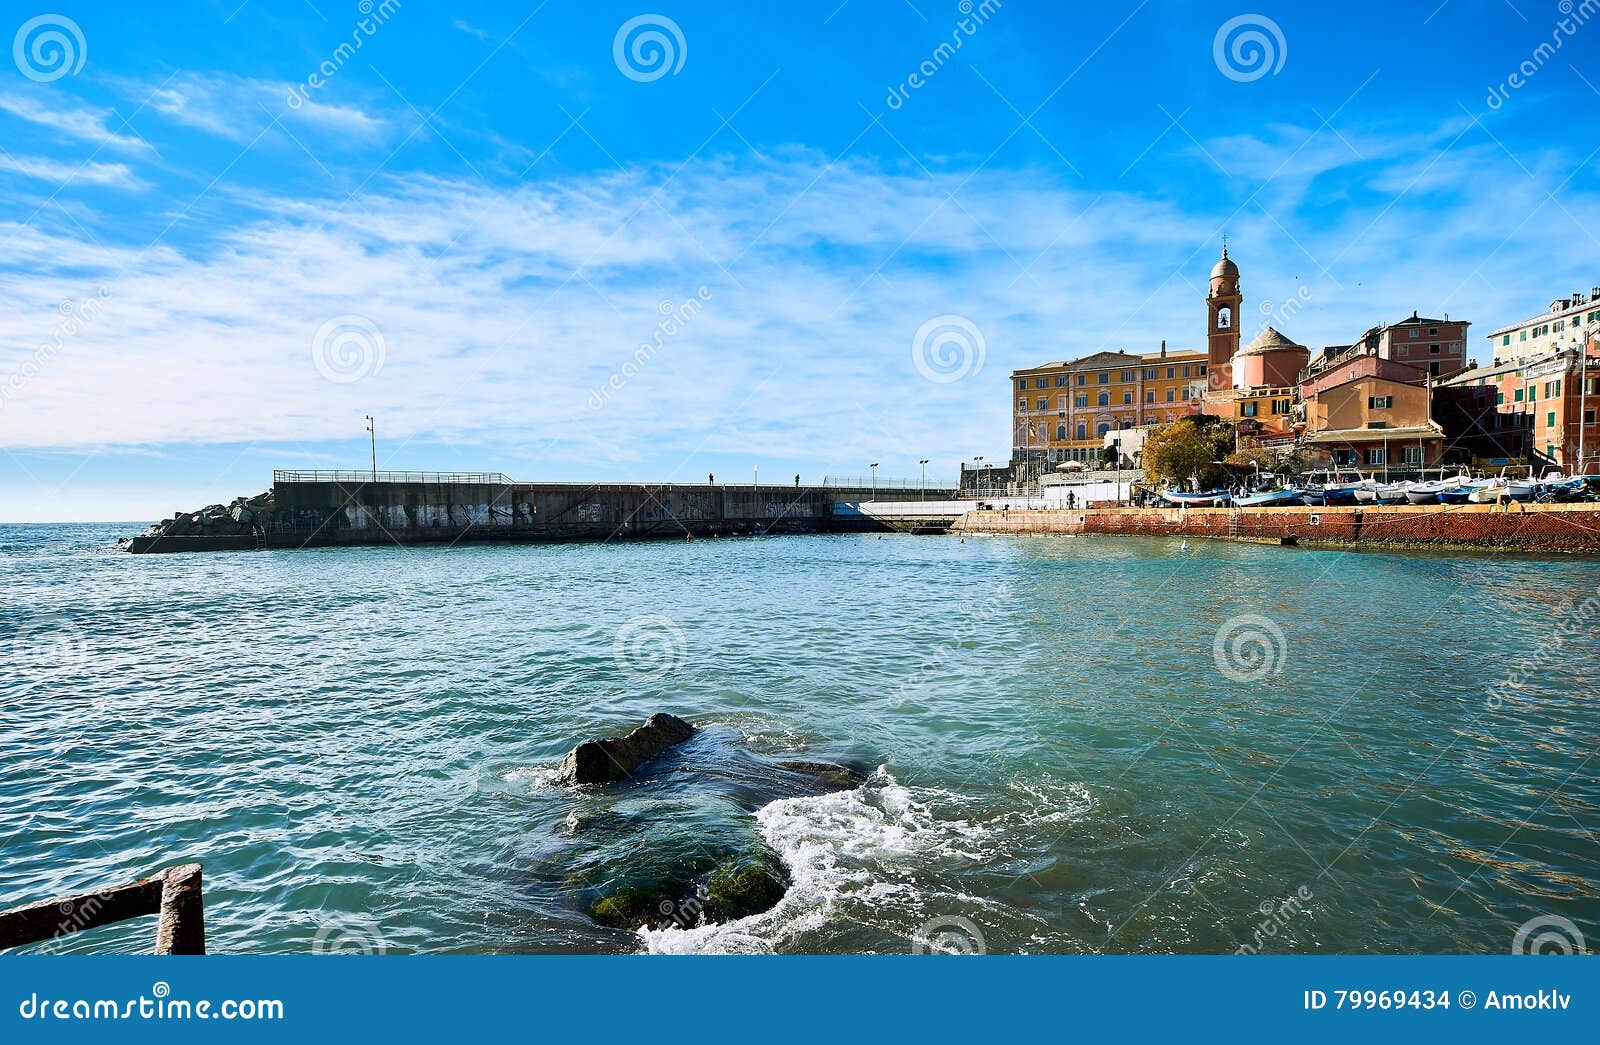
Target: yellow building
x,y
1062,411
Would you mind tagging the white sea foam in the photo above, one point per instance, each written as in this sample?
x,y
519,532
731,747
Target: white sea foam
x,y
865,856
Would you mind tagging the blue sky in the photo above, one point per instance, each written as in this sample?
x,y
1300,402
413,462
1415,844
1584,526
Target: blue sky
x,y
226,241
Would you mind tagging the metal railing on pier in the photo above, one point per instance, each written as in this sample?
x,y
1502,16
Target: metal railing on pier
x,y
281,475
858,482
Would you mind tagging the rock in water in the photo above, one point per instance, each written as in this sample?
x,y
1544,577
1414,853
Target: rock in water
x,y
602,761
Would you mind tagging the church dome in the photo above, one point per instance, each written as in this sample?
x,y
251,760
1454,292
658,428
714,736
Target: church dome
x,y
1269,340
1224,266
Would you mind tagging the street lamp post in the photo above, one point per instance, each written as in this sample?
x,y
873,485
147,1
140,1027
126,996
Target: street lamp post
x,y
372,433
924,464
874,467
977,463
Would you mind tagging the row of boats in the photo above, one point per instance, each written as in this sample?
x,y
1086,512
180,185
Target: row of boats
x,y
1464,488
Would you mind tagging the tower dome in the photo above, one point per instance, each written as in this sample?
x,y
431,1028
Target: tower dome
x,y
1224,266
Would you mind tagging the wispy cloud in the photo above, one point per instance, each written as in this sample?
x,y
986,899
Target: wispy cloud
x,y
115,175
83,124
238,108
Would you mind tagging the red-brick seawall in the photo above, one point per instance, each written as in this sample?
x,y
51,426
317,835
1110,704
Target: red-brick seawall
x,y
1548,527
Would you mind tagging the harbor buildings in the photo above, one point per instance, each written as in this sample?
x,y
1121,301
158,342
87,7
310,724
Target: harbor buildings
x,y
1551,331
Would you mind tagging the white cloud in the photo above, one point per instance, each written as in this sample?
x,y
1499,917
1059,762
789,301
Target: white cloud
x,y
90,125
238,108
115,175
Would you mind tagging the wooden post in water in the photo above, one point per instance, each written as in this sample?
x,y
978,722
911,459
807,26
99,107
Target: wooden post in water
x,y
181,927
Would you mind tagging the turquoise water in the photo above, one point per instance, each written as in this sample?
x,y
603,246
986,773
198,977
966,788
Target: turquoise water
x,y
356,742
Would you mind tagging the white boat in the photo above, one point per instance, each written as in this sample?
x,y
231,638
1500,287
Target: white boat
x,y
1488,491
1383,493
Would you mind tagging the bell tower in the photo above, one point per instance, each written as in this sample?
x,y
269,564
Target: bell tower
x,y
1222,330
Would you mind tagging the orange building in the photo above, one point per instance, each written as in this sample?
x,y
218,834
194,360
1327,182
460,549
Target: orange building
x,y
1368,413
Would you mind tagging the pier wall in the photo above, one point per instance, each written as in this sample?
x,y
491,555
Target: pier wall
x,y
321,513
1535,527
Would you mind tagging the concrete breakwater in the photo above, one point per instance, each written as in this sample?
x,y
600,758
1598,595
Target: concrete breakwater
x,y
1532,527
314,509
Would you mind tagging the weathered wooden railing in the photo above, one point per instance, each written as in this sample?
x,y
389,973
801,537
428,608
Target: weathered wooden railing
x,y
173,896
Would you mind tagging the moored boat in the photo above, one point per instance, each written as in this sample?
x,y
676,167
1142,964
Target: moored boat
x,y
1268,498
1198,499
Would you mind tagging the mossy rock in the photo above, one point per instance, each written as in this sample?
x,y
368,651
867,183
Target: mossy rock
x,y
745,886
678,862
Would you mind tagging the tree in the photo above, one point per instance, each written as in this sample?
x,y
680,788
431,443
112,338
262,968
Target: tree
x,y
1188,448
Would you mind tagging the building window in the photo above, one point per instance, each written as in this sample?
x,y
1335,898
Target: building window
x,y
1506,340
1499,399
1082,402
1517,396
1280,406
1061,432
1433,331
1185,371
1377,424
1375,455
1023,385
1083,430
1172,372
1380,402
1413,455
1247,409
1171,394
1022,404
1042,382
1433,368
1061,402
1127,398
1224,318
1105,399
1522,335
1150,395
1044,404
1061,380
1083,378
1104,377
1102,428
1588,417
1433,350
1413,333
1150,374
1550,419
1200,371
1126,375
